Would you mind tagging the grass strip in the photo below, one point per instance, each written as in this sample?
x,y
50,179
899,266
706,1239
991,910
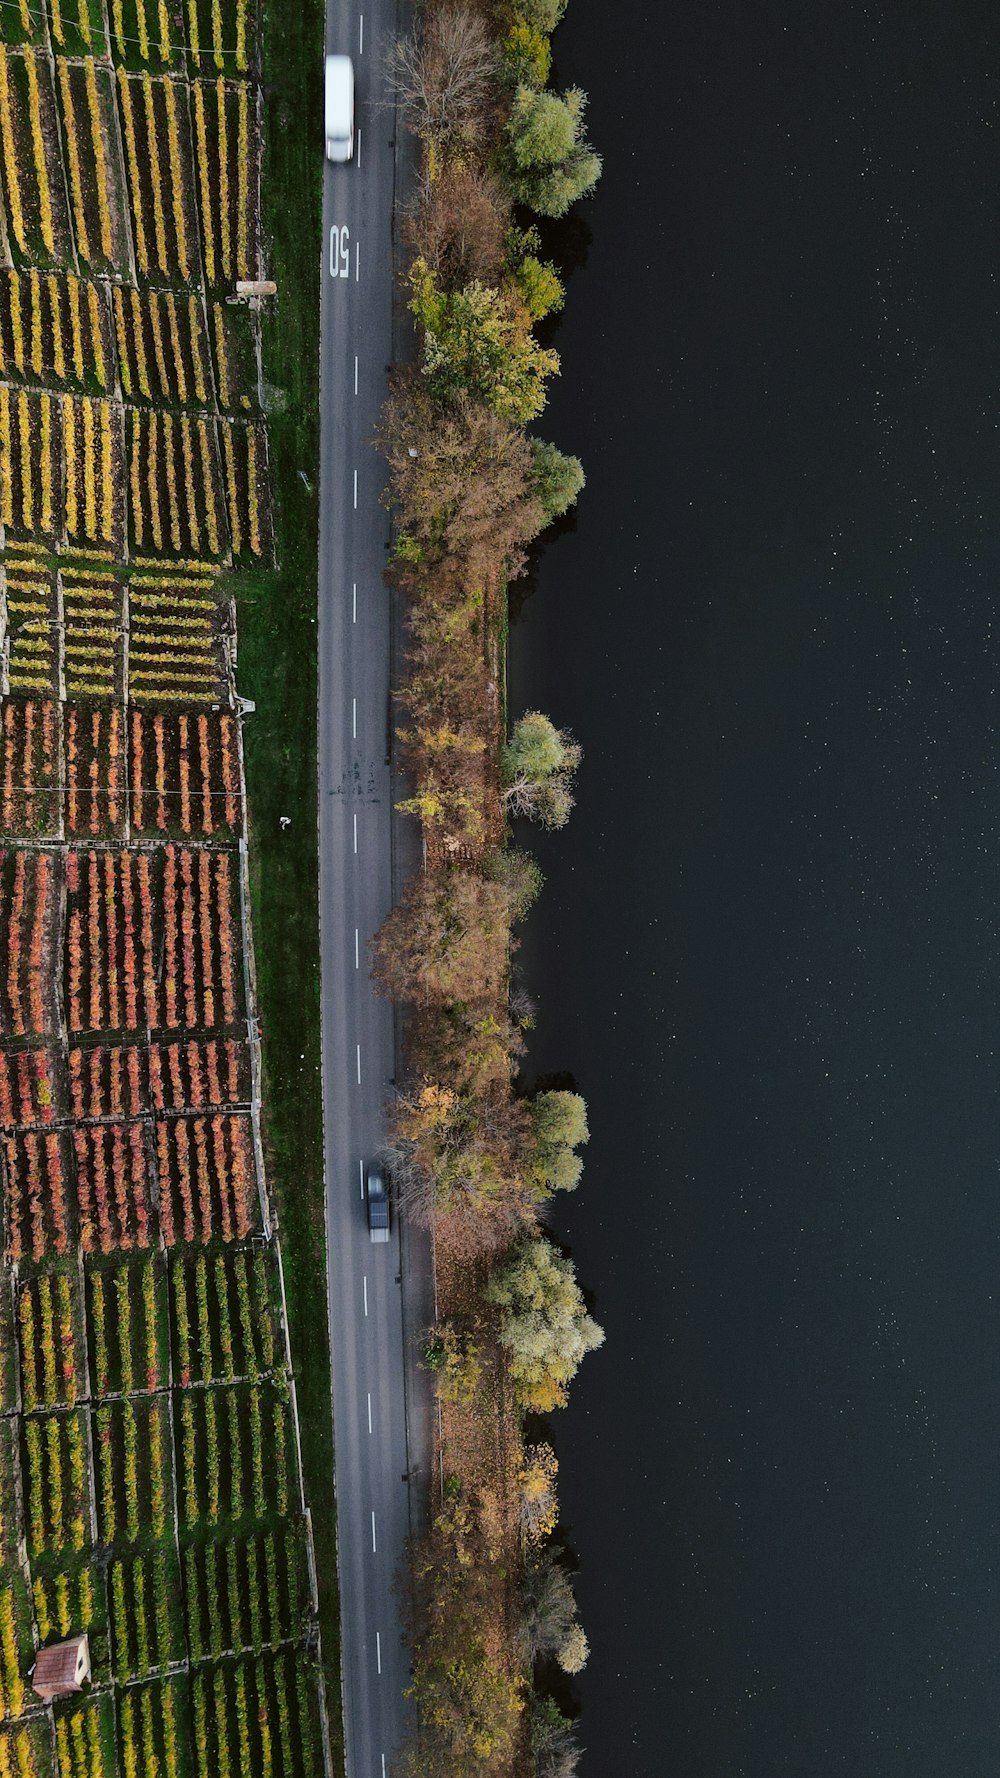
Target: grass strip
x,y
278,668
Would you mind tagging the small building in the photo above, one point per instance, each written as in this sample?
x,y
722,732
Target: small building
x,y
62,1669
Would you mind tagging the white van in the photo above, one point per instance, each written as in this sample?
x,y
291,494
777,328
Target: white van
x,y
339,108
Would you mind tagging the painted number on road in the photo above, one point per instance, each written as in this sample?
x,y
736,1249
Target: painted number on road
x,y
340,252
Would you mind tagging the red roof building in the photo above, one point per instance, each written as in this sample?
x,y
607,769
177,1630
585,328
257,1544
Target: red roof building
x,y
62,1669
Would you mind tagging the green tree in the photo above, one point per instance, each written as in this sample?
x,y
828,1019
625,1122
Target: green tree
x,y
557,479
544,1322
550,161
478,340
560,1121
537,767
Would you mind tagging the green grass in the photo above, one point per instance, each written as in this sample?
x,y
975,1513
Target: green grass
x,y
277,667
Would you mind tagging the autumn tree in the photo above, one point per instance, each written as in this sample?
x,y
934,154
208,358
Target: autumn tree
x,y
468,1704
544,1322
550,1621
445,940
537,767
464,480
539,1506
460,1163
458,223
442,76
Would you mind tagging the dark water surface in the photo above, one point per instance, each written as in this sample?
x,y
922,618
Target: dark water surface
x,y
768,944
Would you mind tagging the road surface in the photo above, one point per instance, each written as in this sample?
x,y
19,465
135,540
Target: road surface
x,y
373,1367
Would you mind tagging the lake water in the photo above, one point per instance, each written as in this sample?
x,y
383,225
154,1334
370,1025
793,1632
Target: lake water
x,y
768,945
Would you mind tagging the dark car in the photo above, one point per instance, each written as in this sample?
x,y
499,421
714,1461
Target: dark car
x,y
378,1206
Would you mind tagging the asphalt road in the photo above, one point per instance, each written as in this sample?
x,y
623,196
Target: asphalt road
x,y
374,1370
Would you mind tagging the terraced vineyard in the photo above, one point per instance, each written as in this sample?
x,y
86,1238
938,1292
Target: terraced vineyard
x,y
150,1485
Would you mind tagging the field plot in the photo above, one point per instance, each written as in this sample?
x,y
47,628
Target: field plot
x,y
205,1170
31,1087
125,912
24,22
32,469
184,773
85,1738
128,1325
244,1595
95,763
34,187
226,133
175,481
96,177
234,348
58,1505
162,346
147,1625
224,1315
30,802
51,1341
113,1187
93,471
196,1074
244,453
235,1458
36,1193
33,617
134,1489
157,140
93,618
29,918
253,1716
222,35
55,329
144,32
76,27
177,651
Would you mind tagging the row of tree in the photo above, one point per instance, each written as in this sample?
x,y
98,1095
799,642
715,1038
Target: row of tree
x,y
472,1157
